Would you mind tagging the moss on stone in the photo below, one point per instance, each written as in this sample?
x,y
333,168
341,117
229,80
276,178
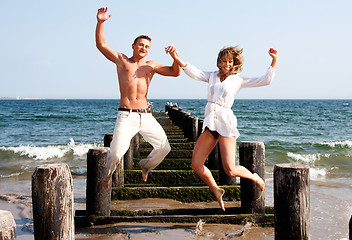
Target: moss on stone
x,y
183,194
166,177
175,153
174,145
168,163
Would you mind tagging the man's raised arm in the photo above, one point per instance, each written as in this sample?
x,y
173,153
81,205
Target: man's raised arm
x,y
174,70
100,36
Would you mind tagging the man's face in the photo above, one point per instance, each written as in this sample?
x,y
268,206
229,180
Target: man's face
x,y
141,48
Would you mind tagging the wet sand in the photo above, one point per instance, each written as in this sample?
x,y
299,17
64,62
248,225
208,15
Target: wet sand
x,y
329,215
21,208
170,231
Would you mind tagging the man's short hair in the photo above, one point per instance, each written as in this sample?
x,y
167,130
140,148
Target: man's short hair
x,y
142,37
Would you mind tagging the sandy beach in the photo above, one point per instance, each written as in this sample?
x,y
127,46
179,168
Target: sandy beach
x,y
21,209
15,197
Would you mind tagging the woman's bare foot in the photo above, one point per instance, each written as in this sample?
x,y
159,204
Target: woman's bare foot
x,y
259,181
220,192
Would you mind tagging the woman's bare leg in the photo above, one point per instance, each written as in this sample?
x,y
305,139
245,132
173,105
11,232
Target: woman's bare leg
x,y
204,145
228,156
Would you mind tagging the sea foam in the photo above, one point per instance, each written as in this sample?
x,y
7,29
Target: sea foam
x,y
51,151
316,173
333,144
307,158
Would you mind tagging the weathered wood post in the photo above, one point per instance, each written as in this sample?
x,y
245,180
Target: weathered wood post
x,y
192,128
98,199
107,139
118,175
214,158
52,198
7,226
185,126
200,127
291,201
135,146
252,157
224,179
128,157
351,228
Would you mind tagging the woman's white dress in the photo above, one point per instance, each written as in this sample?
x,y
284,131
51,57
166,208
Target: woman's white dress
x,y
218,114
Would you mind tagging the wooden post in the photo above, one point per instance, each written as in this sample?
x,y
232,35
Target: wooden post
x,y
252,157
7,226
214,158
98,199
52,197
135,146
200,127
291,201
128,157
172,113
224,179
192,128
107,139
351,228
179,117
118,175
184,126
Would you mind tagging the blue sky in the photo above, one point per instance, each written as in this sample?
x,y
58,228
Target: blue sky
x,y
47,48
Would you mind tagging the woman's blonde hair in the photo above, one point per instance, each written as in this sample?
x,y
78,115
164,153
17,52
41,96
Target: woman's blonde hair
x,y
235,53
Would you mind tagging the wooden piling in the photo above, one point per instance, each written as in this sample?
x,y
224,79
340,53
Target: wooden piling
x,y
291,201
135,146
214,158
52,198
128,158
252,157
351,228
98,199
7,226
225,179
192,128
107,139
118,175
200,127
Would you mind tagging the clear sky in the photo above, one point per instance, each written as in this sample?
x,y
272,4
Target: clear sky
x,y
47,48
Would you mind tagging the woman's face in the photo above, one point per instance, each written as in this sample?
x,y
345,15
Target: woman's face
x,y
226,63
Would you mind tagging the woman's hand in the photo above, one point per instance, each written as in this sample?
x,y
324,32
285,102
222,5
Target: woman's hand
x,y
273,53
173,53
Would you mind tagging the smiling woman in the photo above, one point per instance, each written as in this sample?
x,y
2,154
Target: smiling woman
x,y
229,61
220,124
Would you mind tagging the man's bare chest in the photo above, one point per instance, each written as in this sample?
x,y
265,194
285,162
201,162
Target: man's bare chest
x,y
136,71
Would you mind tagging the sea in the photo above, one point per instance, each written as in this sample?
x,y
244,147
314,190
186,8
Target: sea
x,y
316,133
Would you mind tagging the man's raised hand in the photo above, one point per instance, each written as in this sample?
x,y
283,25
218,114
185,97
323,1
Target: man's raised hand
x,y
101,16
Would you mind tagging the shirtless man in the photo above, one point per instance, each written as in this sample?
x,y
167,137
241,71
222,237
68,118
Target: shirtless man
x,y
134,75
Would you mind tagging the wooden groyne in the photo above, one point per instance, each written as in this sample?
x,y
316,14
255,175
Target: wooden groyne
x,y
172,179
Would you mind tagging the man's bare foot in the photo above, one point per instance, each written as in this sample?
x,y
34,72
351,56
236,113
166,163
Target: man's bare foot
x,y
106,184
220,192
259,181
144,176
